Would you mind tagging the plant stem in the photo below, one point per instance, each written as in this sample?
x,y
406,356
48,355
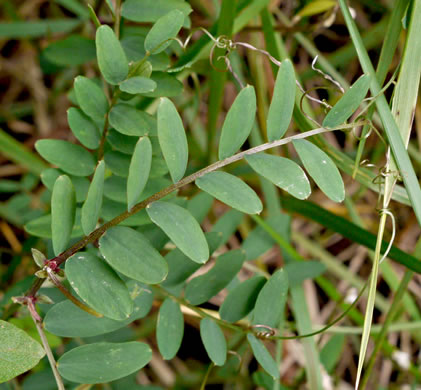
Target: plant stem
x,y
47,348
96,234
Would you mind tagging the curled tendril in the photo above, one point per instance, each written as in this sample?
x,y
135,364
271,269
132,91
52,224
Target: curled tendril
x,y
325,75
392,217
267,331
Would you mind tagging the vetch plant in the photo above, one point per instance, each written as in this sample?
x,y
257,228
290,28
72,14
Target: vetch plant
x,y
125,238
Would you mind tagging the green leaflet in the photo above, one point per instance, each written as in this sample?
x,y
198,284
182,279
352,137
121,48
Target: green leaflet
x,y
41,226
71,51
117,162
140,167
214,341
138,84
299,271
112,60
91,209
165,28
263,356
180,267
128,120
166,85
84,128
19,352
230,190
123,143
68,157
282,105
81,184
322,169
238,123
348,103
63,209
66,320
99,286
202,288
282,172
103,362
91,98
130,253
169,328
181,227
271,300
172,139
241,299
152,10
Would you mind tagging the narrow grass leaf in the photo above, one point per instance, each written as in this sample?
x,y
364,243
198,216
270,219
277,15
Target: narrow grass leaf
x,y
63,209
169,328
165,28
282,104
130,253
230,190
263,356
19,351
138,84
99,286
241,299
103,362
83,128
68,157
91,209
182,228
322,169
91,98
128,120
271,300
202,288
172,139
140,167
112,60
348,103
238,123
214,341
282,172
